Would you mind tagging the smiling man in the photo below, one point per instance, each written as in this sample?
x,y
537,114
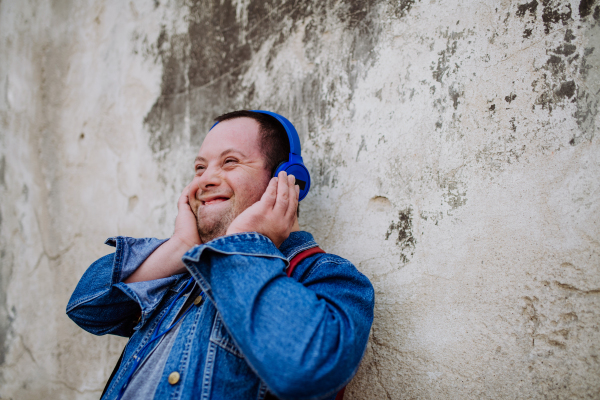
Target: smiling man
x,y
211,312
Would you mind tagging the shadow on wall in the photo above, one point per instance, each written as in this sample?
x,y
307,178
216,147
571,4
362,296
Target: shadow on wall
x,y
203,68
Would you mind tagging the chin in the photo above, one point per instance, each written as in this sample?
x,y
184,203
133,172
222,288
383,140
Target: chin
x,y
212,225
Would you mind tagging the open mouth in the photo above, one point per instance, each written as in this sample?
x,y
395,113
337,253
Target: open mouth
x,y
216,200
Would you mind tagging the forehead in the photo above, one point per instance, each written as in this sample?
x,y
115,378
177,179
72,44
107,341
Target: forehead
x,y
241,134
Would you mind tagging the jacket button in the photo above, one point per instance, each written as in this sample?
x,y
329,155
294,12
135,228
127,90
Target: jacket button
x,y
198,300
173,377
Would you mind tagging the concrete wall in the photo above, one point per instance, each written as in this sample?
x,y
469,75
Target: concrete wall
x,y
453,145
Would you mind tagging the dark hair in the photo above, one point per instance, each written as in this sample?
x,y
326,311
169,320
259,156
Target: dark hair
x,y
274,142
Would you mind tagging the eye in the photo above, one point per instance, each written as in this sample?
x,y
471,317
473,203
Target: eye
x,y
230,160
199,167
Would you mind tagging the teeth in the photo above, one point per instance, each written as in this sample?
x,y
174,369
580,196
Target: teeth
x,y
214,201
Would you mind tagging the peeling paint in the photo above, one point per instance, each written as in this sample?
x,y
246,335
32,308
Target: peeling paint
x,y
404,239
554,12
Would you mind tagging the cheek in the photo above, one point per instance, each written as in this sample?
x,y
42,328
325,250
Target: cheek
x,y
258,188
252,190
194,187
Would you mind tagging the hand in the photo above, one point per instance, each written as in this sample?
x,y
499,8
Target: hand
x,y
186,228
274,214
166,259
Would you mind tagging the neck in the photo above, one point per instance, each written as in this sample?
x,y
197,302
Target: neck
x,y
296,226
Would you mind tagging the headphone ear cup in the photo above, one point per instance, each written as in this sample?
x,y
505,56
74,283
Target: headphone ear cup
x,y
301,174
279,168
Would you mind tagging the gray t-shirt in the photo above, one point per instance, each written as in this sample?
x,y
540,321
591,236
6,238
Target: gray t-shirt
x,y
145,380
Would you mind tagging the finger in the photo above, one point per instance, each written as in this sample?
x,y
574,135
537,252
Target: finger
x,y
270,195
294,193
184,198
283,194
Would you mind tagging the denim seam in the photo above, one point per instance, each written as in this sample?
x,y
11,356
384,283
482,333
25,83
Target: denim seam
x,y
87,299
254,236
300,249
204,285
133,296
186,352
262,391
117,264
208,371
221,340
179,285
230,253
252,368
321,262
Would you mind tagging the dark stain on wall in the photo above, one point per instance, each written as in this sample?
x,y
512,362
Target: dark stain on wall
x,y
202,69
455,93
4,329
566,49
509,99
402,7
555,11
524,8
566,89
530,9
556,87
442,66
404,238
588,101
585,7
570,75
2,171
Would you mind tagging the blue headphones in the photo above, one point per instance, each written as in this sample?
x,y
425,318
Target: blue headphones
x,y
295,165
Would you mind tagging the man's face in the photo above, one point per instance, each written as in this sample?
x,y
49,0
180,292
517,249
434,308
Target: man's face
x,y
230,176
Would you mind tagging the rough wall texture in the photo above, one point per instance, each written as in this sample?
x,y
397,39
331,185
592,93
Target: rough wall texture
x,y
453,144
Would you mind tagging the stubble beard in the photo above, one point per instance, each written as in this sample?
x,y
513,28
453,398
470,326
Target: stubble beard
x,y
214,226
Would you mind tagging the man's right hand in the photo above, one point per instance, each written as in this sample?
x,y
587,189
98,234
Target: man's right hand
x,y
186,228
166,261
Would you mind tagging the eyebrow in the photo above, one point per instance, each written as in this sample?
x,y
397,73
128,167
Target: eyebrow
x,y
231,150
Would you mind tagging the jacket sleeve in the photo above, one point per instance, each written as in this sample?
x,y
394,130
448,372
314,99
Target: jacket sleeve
x,y
102,303
305,338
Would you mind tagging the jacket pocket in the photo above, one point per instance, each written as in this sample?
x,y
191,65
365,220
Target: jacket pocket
x,y
221,337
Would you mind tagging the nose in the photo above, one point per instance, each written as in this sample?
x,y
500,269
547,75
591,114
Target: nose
x,y
210,178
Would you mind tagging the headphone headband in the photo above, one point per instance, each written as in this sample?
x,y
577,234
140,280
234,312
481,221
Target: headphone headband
x,y
292,134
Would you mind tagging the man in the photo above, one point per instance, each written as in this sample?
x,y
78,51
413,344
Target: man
x,y
210,312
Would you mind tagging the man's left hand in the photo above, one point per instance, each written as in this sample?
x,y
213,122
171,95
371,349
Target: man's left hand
x,y
274,214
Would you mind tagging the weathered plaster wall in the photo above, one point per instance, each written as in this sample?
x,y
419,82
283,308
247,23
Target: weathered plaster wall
x,y
453,145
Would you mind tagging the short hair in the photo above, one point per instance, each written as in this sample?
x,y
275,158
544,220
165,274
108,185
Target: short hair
x,y
274,142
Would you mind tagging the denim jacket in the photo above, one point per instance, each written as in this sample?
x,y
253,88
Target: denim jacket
x,y
260,331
